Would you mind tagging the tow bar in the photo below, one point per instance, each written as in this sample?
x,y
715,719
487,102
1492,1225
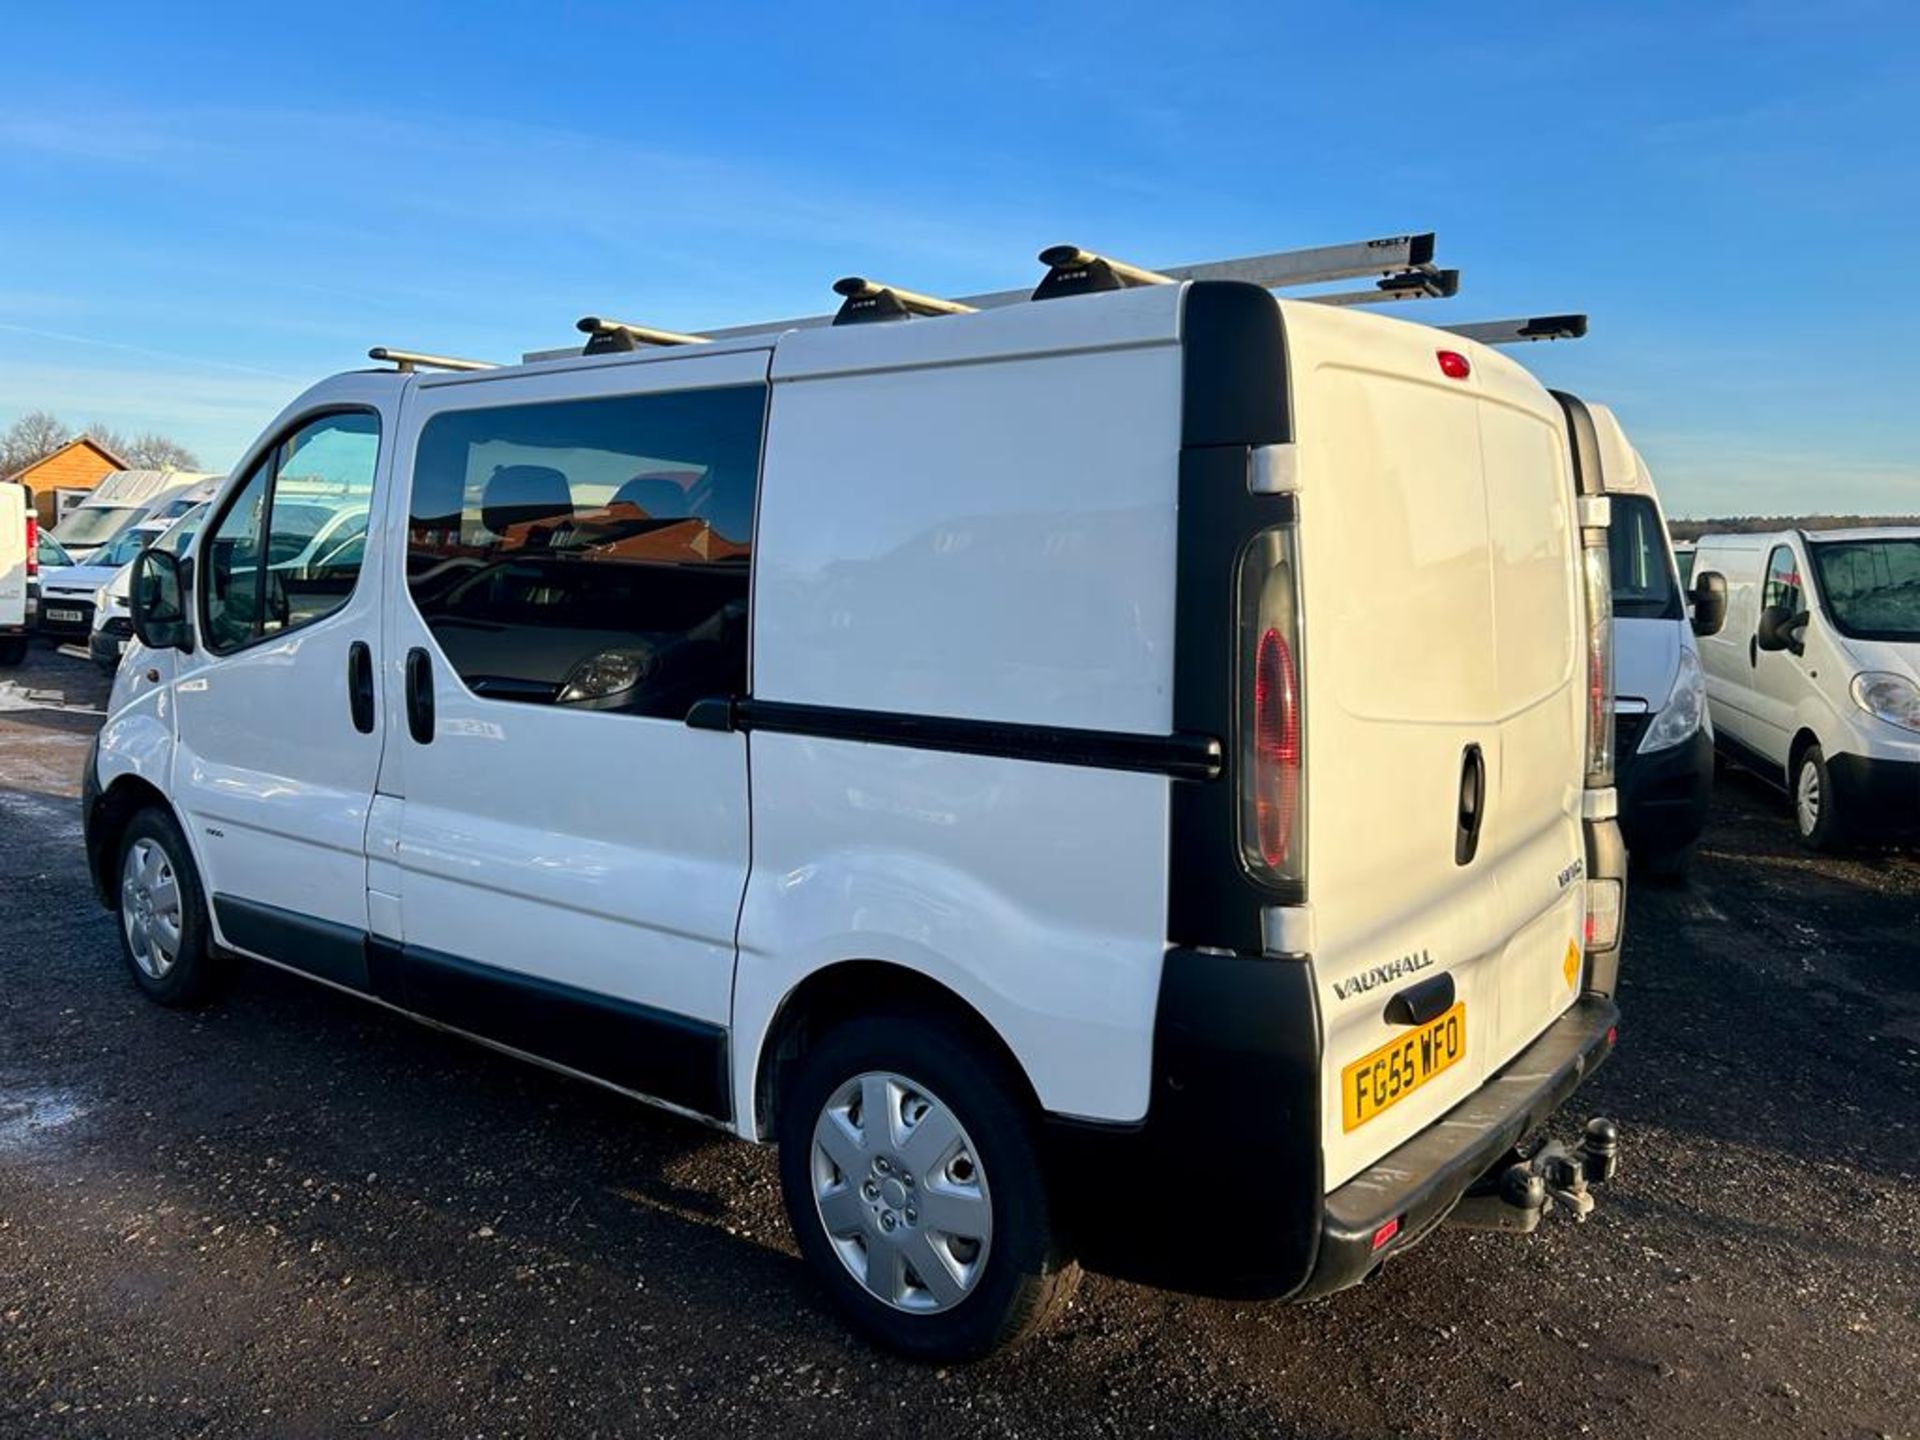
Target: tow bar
x,y
1515,1193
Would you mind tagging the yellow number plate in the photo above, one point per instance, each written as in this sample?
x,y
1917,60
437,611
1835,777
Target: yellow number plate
x,y
1382,1079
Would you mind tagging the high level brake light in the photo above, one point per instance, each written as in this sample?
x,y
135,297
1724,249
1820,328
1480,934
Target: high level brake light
x,y
1272,754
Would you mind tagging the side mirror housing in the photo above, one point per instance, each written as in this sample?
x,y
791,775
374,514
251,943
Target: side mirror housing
x,y
158,599
1709,603
1777,627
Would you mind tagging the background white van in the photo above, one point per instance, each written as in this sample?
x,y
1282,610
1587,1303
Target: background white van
x,y
1815,679
16,559
1663,766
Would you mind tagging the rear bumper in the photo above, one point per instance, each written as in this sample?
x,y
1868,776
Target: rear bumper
x,y
1420,1183
1664,795
1220,1190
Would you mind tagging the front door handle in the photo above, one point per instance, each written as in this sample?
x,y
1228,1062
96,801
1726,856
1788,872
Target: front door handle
x,y
1473,805
419,696
360,686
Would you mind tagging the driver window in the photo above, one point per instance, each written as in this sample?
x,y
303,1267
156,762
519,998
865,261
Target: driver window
x,y
287,549
1783,582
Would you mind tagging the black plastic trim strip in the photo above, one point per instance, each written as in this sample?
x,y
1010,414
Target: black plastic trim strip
x,y
1181,756
1235,397
319,947
657,1053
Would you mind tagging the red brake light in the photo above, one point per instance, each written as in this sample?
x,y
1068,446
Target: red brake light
x,y
1276,746
33,543
1453,364
1386,1232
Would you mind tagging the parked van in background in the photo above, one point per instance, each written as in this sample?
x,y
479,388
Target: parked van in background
x,y
121,499
1179,767
18,558
1815,679
1664,765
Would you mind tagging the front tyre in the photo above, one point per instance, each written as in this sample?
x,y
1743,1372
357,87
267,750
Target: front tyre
x,y
163,912
913,1185
1816,811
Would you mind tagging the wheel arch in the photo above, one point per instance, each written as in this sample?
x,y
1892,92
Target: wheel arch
x,y
108,815
1803,739
850,988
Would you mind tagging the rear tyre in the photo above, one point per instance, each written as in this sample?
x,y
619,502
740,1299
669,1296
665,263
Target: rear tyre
x,y
163,912
1817,819
13,650
913,1185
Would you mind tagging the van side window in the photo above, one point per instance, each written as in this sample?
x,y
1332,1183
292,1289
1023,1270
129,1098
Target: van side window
x,y
287,549
591,553
1643,586
1783,581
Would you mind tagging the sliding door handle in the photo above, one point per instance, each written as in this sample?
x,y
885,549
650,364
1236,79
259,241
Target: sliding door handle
x,y
419,696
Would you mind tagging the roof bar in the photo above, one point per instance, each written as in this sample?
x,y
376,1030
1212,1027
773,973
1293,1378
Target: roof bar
x,y
1387,256
866,301
1519,332
1073,271
1407,285
609,336
407,361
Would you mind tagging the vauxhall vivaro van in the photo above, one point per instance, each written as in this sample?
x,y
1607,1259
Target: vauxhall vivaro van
x,y
1815,678
1664,765
1047,768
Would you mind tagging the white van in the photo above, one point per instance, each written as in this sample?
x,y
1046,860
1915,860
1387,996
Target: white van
x,y
1049,769
1815,678
17,561
121,499
1664,762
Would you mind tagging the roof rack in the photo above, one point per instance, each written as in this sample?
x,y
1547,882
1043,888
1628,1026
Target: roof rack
x,y
607,336
1403,264
407,361
866,301
1521,331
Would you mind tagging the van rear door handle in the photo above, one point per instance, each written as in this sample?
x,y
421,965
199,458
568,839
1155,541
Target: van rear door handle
x,y
419,696
360,686
1473,805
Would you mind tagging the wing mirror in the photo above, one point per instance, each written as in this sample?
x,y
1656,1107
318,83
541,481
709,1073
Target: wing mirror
x,y
1709,602
158,598
1778,630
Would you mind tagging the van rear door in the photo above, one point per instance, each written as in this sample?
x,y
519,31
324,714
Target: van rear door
x,y
13,556
1443,703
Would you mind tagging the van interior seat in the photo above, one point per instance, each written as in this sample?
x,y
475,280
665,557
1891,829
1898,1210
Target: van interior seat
x,y
656,497
525,495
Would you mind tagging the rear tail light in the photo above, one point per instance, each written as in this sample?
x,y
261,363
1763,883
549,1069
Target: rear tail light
x,y
33,544
1597,575
1605,901
1272,752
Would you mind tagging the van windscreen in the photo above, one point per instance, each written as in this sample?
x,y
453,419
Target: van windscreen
x,y
1871,588
1643,584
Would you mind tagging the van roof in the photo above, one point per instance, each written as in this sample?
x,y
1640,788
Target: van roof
x,y
1760,539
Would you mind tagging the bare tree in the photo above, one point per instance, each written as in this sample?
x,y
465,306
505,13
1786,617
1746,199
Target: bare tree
x,y
148,451
32,437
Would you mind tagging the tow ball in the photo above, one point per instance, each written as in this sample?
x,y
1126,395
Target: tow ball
x,y
1517,1192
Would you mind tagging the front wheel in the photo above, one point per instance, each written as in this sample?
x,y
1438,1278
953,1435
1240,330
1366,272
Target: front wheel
x,y
914,1187
1816,811
163,912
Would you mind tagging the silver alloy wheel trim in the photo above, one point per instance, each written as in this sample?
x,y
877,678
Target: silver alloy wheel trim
x,y
150,907
905,1205
1807,797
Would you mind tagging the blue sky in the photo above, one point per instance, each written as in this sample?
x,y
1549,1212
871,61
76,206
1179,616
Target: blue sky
x,y
204,209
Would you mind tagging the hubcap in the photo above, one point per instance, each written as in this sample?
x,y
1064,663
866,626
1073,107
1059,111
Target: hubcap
x,y
1806,797
150,908
901,1192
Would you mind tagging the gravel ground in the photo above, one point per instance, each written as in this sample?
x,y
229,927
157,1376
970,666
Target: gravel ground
x,y
292,1214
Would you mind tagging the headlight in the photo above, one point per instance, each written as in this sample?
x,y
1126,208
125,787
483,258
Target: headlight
x,y
100,598
1684,711
1894,698
605,681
